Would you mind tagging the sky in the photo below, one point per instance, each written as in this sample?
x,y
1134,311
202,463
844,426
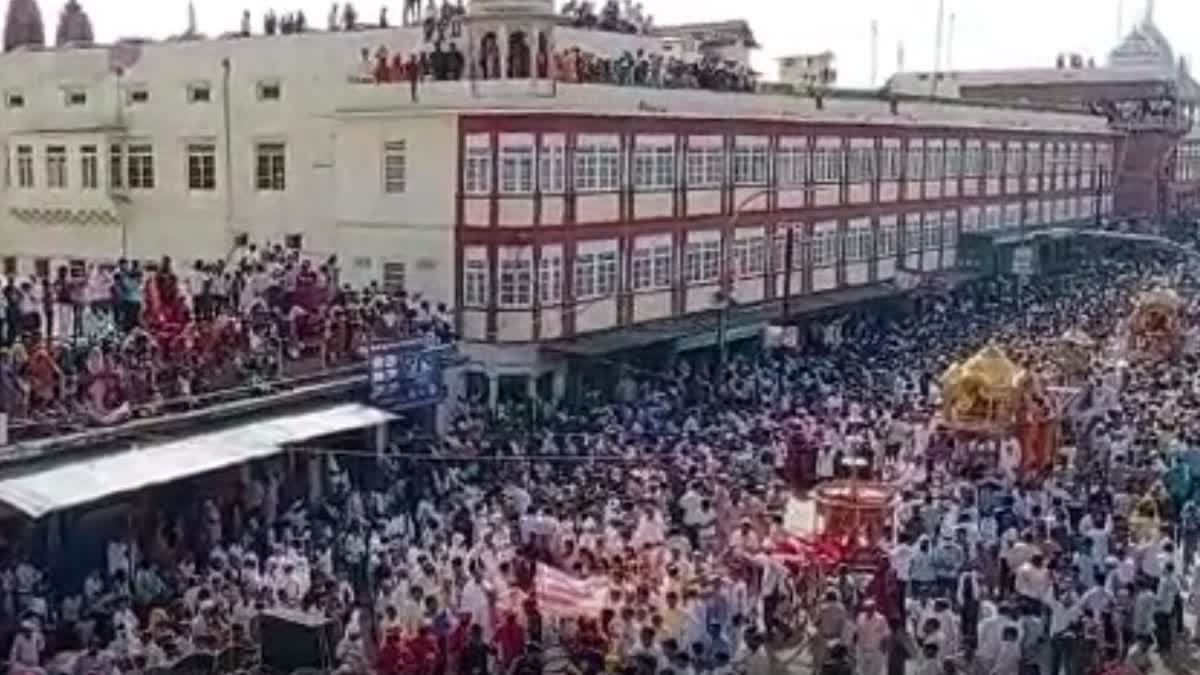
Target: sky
x,y
987,33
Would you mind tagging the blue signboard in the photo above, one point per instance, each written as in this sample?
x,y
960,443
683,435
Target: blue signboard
x,y
408,375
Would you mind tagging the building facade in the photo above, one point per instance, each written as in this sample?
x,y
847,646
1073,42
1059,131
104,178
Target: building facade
x,y
538,210
808,70
1148,95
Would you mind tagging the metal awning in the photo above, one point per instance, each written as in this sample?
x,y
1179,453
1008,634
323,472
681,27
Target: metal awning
x,y
700,328
41,490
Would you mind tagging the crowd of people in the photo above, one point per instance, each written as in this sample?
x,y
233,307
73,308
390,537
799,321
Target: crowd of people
x,y
626,17
654,508
100,344
444,61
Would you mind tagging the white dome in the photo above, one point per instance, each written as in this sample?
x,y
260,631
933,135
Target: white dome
x,y
499,8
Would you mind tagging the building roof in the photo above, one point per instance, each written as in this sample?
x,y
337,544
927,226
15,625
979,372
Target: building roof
x,y
1143,56
713,30
808,55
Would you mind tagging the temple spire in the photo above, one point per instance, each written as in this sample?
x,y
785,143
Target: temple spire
x,y
191,19
23,25
1148,19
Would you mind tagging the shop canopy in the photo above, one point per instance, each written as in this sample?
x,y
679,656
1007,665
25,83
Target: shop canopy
x,y
40,490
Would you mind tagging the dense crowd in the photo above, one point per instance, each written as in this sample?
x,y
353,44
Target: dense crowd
x,y
574,65
657,507
100,344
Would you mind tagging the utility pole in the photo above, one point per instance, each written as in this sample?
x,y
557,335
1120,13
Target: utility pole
x,y
937,47
874,52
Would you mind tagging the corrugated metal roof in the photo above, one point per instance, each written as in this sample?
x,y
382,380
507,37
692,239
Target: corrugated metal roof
x,y
46,489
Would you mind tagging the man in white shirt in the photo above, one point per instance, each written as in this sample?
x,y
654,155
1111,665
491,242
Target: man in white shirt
x,y
871,633
1033,581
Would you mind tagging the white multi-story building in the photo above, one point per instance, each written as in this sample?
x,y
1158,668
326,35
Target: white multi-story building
x,y
541,209
808,70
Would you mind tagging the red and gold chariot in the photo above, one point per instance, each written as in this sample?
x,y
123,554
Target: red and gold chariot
x,y
1156,329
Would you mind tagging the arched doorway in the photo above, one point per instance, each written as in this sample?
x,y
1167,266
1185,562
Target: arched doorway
x,y
489,57
518,55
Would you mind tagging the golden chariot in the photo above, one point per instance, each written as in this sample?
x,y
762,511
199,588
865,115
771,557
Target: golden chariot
x,y
1156,325
989,395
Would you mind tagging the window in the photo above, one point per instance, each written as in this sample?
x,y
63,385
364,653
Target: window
x,y
663,263
1033,161
824,248
199,93
702,261
993,162
395,167
394,277
916,163
933,234
857,244
56,167
693,263
140,162
269,91
74,97
25,166
750,165
475,287
294,242
477,171
828,165
597,168
516,170
791,165
89,167
954,161
516,283
1014,161
750,255
934,162
270,173
553,169
551,280
887,241
585,276
606,274
862,165
116,166
138,96
654,168
912,235
14,99
642,270
202,166
10,266
705,167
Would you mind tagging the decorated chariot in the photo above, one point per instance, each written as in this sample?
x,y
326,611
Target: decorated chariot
x,y
1156,326
989,396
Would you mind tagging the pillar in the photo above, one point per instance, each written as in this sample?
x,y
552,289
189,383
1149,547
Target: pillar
x,y
558,386
531,41
316,481
502,43
381,439
493,393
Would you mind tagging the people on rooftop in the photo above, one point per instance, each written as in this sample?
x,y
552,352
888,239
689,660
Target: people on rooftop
x,y
96,344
